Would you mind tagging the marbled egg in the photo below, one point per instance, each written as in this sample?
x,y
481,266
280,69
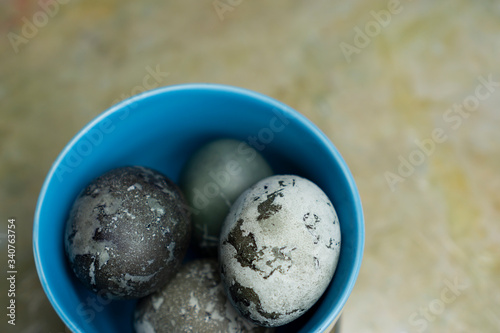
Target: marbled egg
x,y
127,232
213,179
193,301
279,248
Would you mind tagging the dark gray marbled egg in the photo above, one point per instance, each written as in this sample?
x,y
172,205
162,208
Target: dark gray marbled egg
x,y
193,301
212,180
279,249
127,232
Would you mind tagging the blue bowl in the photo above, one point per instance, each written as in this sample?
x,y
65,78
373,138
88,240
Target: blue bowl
x,y
161,129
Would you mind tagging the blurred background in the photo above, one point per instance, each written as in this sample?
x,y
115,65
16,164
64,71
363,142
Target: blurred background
x,y
408,91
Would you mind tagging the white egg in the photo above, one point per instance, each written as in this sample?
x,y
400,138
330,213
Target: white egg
x,y
279,249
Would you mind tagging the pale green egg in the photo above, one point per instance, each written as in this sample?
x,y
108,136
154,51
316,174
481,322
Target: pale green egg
x,y
213,179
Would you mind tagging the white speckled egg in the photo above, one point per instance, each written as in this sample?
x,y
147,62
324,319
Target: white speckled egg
x,y
127,232
193,301
212,180
279,248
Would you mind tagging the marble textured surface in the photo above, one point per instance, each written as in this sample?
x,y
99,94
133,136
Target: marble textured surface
x,y
432,256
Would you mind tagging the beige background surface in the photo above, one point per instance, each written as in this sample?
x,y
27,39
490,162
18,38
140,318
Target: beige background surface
x,y
432,255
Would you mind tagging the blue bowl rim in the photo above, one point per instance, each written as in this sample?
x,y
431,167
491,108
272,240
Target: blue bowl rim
x,y
333,315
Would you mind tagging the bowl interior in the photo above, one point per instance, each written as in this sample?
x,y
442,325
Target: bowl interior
x,y
161,129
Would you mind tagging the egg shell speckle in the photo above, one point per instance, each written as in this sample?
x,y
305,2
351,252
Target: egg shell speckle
x,y
279,248
193,301
127,232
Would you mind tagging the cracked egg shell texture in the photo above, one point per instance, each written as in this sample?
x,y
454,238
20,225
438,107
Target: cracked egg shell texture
x,y
279,248
193,301
127,232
